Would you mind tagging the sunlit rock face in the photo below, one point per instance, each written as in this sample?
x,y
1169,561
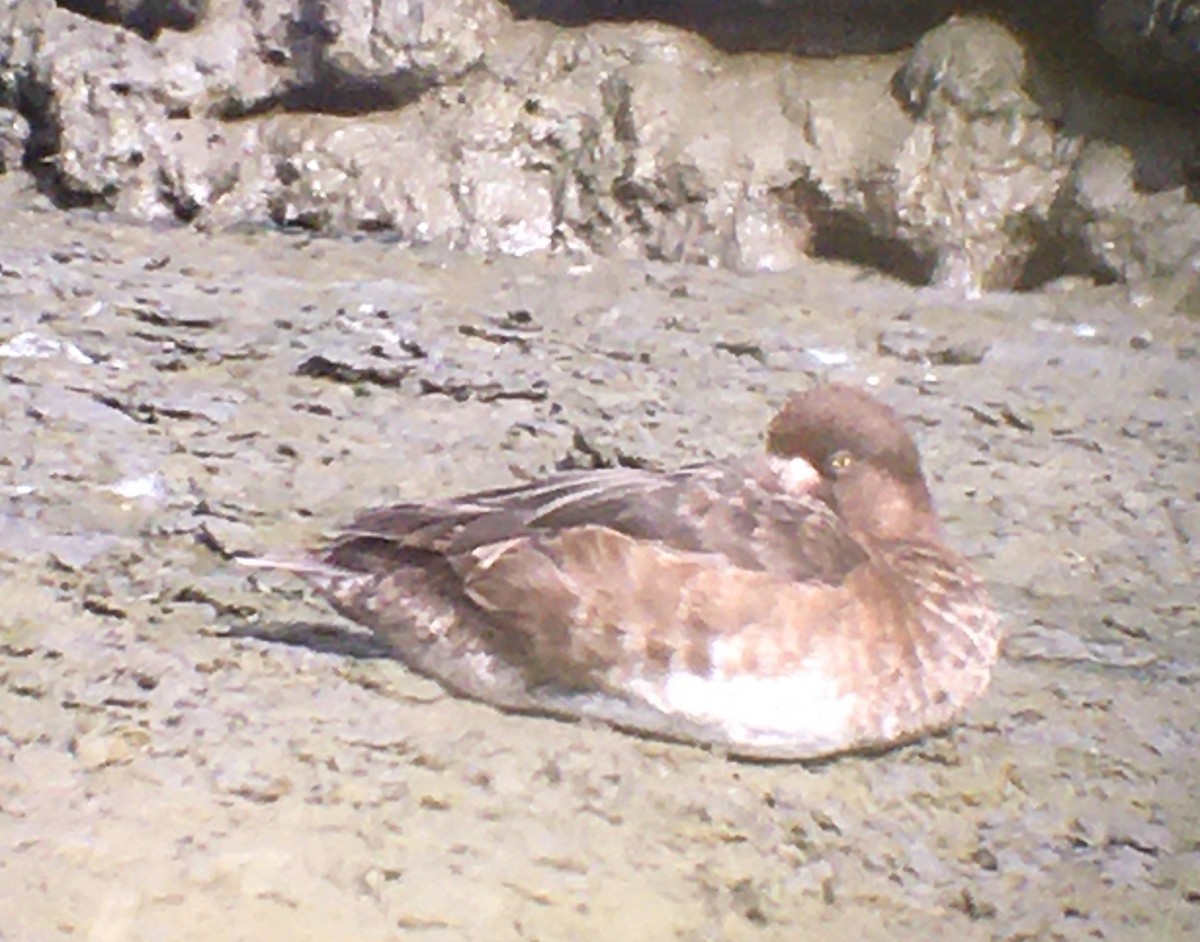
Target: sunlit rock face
x,y
740,135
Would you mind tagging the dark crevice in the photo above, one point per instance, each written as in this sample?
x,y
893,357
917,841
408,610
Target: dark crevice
x,y
1060,256
42,147
340,94
147,19
335,93
843,236
33,102
815,28
1053,257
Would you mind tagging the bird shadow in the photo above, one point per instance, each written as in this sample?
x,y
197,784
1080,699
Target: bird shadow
x,y
318,637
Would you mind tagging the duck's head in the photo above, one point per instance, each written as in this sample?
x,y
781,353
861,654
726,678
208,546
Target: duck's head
x,y
867,465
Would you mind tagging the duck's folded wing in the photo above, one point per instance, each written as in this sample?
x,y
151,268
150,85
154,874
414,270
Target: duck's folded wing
x,y
714,510
460,525
589,574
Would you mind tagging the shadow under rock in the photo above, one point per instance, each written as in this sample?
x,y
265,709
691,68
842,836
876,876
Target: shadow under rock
x,y
809,28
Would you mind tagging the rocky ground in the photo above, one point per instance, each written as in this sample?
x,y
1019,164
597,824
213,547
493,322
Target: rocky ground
x,y
192,751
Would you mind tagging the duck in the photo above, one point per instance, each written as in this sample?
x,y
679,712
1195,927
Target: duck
x,y
796,604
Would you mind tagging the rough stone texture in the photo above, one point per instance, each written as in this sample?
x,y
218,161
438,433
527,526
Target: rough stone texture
x,y
14,133
192,751
978,132
457,124
1154,240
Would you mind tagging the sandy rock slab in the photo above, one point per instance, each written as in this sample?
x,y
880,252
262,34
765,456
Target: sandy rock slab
x,y
980,152
189,751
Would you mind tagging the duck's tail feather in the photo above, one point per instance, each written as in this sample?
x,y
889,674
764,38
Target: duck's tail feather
x,y
304,566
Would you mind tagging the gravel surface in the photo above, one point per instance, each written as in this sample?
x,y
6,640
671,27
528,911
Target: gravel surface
x,y
192,751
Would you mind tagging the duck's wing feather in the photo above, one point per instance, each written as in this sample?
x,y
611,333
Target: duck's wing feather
x,y
724,510
584,577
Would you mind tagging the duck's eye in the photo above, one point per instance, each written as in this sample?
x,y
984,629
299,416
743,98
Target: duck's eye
x,y
840,462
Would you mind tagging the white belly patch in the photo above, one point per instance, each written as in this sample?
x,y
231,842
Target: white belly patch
x,y
799,712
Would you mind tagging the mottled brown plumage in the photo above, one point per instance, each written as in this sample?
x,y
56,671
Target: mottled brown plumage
x,y
790,606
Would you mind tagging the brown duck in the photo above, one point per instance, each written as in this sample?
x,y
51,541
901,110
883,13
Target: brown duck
x,y
790,606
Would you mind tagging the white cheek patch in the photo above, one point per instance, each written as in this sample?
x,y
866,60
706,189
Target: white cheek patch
x,y
796,476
